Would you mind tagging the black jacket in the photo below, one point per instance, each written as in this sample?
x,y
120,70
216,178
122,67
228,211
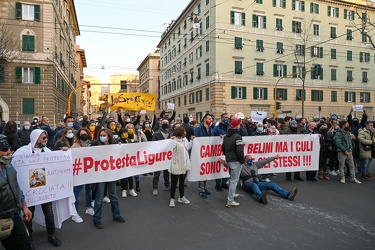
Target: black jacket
x,y
157,136
232,147
10,193
189,130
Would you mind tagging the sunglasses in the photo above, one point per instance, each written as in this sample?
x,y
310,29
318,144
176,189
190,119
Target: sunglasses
x,y
4,150
44,138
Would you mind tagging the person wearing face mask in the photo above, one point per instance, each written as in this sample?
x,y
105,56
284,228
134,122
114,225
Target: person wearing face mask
x,y
91,127
24,133
343,142
250,181
162,134
44,124
367,142
147,130
204,130
259,130
106,138
332,150
126,119
323,154
12,202
68,123
302,126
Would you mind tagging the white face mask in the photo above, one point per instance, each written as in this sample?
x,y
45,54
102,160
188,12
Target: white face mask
x,y
27,127
69,136
127,120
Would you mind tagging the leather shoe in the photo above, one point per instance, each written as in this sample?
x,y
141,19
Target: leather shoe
x,y
54,240
292,194
98,225
119,219
298,179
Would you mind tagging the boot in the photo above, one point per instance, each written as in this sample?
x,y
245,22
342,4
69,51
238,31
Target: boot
x,y
321,175
137,187
325,176
370,177
364,176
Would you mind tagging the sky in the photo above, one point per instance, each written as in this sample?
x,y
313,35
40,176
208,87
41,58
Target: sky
x,y
117,35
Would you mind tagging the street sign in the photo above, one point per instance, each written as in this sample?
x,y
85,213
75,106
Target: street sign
x,y
286,111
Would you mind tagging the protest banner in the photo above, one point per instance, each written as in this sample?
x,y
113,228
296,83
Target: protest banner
x,y
132,101
297,152
44,177
205,164
114,162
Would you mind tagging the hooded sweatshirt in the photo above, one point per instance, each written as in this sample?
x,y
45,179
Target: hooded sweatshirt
x,y
30,148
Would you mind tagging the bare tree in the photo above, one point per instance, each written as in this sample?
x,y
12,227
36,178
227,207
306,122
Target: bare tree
x,y
9,45
365,25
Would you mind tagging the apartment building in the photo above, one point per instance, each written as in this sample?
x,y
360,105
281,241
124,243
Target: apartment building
x,y
226,56
40,72
124,82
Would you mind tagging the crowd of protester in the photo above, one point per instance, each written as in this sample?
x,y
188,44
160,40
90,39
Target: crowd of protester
x,y
346,146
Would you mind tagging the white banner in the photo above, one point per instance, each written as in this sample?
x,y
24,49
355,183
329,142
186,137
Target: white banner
x,y
44,177
258,116
358,108
205,164
114,162
297,152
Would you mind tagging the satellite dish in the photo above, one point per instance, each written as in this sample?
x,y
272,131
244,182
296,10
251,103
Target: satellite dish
x,y
196,25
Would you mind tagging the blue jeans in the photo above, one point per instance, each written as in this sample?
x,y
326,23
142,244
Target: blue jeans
x,y
257,188
365,164
77,194
235,170
97,218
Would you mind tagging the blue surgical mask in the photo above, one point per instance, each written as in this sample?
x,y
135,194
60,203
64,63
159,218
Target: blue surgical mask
x,y
69,136
69,124
226,121
27,127
249,162
147,125
260,129
103,138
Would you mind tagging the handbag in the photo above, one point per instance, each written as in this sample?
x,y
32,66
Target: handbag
x,y
366,147
6,227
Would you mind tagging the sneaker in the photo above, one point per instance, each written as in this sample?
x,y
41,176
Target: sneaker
x,y
263,199
207,192
90,211
232,204
236,195
172,203
203,195
342,180
119,219
123,194
333,173
106,200
167,188
338,172
292,194
267,180
77,219
183,200
355,181
133,193
92,203
155,192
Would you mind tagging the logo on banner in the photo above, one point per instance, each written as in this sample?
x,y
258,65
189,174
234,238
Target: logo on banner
x,y
37,177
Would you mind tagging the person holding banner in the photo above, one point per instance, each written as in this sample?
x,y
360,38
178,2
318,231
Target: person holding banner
x,y
106,138
234,155
250,181
12,202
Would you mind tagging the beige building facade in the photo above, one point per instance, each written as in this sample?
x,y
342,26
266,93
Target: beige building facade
x,y
124,82
82,93
39,74
233,59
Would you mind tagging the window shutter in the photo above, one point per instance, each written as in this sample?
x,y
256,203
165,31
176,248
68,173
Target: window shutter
x,y
232,17
294,71
207,94
255,93
321,95
243,92
2,74
293,26
345,14
274,3
285,70
233,92
303,6
321,52
31,43
360,56
37,75
18,74
317,9
197,97
284,4
265,92
333,96
37,12
353,15
293,4
321,74
311,7
200,96
243,19
285,94
337,12
329,10
313,95
18,10
346,96
264,22
275,70
25,42
254,20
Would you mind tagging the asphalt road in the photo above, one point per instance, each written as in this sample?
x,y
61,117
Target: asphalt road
x,y
324,215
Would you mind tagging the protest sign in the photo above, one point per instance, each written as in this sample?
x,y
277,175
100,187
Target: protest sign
x,y
170,105
114,162
132,101
44,177
358,108
258,116
205,164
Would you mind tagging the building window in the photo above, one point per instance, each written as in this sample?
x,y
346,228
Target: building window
x,y
349,75
28,43
316,29
349,96
316,95
296,27
364,57
314,8
364,96
281,94
279,3
333,12
191,98
259,69
317,51
238,67
364,37
364,76
2,73
207,2
207,94
237,18
279,24
259,1
260,93
349,55
349,34
28,106
207,69
238,42
279,48
28,75
300,50
207,22
191,77
333,96
320,77
185,102
198,96
300,94
259,45
279,70
238,92
27,12
207,46
298,5
259,21
333,33
333,74
349,14
333,54
198,52
199,73
297,71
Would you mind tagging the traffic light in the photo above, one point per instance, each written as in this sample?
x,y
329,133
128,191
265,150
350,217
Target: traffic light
x,y
317,70
278,105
